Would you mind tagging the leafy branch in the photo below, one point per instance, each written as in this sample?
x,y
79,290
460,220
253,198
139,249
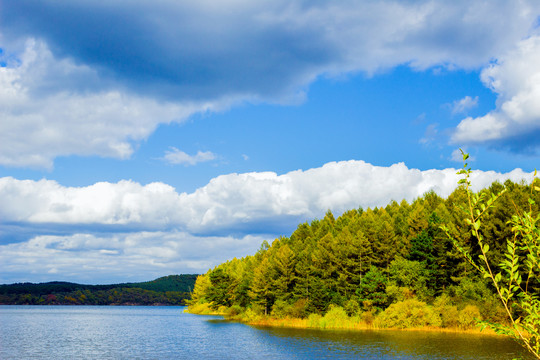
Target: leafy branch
x,y
522,257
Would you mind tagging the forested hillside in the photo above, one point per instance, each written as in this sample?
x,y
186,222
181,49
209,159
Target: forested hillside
x,y
391,266
167,290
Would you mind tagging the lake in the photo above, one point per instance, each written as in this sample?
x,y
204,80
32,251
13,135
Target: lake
x,y
139,332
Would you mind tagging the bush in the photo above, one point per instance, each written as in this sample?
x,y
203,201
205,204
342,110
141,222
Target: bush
x,y
468,316
335,318
408,314
234,310
201,309
368,317
447,311
314,320
251,316
257,308
222,309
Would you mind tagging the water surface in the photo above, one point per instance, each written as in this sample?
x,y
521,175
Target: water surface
x,y
139,332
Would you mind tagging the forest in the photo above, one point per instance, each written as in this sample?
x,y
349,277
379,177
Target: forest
x,y
389,266
167,290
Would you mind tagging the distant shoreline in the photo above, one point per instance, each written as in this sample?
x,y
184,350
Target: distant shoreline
x,y
171,290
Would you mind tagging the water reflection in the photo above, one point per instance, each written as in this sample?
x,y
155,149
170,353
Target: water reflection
x,y
93,332
395,344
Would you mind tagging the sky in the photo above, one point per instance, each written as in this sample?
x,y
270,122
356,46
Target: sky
x,y
144,138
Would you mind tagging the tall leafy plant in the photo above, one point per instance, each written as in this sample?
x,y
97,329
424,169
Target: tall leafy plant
x,y
519,269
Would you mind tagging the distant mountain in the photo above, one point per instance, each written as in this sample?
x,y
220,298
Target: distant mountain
x,y
167,290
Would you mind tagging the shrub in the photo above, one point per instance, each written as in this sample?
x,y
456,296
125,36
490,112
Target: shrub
x,y
314,320
222,309
234,310
447,311
368,317
468,316
408,314
251,316
335,318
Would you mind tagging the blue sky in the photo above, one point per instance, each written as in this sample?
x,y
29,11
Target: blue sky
x,y
144,140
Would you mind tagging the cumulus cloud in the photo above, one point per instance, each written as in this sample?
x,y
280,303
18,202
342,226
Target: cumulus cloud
x,y
175,156
465,104
515,77
229,203
125,228
43,116
125,202
121,257
72,90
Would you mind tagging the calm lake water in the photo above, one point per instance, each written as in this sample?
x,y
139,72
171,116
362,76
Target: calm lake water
x,y
113,332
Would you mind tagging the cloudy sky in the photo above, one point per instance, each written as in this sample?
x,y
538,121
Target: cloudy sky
x,y
145,138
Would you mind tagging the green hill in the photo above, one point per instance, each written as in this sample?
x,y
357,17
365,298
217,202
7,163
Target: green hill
x,y
167,290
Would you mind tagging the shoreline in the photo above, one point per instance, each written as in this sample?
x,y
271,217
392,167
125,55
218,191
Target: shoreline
x,y
298,323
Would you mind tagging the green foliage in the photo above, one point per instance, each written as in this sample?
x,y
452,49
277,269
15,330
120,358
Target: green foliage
x,y
469,316
169,290
219,292
352,308
372,290
335,318
411,275
368,261
515,279
410,313
447,311
314,320
280,309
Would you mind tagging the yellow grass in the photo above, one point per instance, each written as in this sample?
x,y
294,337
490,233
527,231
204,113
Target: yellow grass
x,y
321,323
354,325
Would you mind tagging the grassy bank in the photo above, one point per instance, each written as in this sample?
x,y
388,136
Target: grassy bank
x,y
336,319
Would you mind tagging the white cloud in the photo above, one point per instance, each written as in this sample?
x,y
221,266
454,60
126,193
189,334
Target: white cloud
x,y
229,203
119,257
92,98
126,228
43,117
175,156
125,202
465,104
515,77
